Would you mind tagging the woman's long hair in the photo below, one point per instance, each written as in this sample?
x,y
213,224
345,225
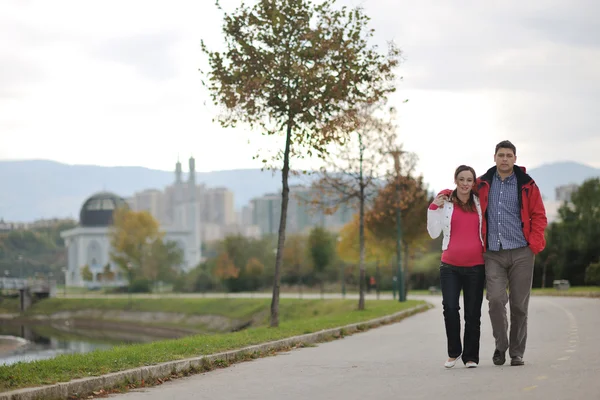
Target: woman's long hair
x,y
469,206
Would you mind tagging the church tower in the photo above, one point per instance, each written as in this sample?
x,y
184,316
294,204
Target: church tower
x,y
178,171
193,215
179,209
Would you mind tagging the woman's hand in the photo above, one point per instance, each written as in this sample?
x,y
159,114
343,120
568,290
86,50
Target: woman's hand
x,y
440,200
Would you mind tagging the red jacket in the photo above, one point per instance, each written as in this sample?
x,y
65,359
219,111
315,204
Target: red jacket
x,y
533,213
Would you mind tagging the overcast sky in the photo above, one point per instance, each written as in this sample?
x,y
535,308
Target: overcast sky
x,y
117,82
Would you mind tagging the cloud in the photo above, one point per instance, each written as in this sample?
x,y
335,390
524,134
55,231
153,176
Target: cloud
x,y
150,54
117,83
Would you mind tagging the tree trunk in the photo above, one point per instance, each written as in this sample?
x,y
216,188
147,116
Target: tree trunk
x,y
361,230
544,274
406,271
282,222
299,281
377,279
322,288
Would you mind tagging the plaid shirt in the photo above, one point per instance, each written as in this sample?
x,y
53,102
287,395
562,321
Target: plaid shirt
x,y
504,215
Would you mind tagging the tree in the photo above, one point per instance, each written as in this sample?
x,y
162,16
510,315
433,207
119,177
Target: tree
x,y
592,274
131,239
573,240
352,173
107,274
297,68
375,249
322,252
225,268
413,201
162,261
294,257
254,269
86,273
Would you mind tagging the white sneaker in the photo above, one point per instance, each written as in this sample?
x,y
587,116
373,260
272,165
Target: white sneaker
x,y
451,363
471,364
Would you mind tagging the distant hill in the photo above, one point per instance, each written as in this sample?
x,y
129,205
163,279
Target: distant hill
x,y
45,189
550,176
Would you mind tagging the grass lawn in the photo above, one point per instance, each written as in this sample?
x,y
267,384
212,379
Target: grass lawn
x,y
296,317
9,306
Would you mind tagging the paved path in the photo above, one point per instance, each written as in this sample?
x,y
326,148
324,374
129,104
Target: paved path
x,y
405,361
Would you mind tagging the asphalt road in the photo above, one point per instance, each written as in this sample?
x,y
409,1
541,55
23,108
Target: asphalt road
x,y
405,361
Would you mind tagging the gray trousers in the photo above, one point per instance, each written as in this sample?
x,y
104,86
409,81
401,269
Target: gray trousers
x,y
512,269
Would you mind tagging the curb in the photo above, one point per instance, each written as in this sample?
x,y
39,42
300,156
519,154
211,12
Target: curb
x,y
86,386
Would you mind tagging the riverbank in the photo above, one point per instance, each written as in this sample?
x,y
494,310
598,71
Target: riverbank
x,y
10,343
297,317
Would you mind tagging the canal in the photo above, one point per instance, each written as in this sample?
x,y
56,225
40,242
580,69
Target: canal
x,y
22,342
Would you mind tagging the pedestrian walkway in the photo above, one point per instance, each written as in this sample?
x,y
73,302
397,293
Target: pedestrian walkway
x,y
405,361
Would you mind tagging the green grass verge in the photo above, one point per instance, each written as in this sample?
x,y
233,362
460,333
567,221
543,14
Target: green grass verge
x,y
226,307
297,316
9,306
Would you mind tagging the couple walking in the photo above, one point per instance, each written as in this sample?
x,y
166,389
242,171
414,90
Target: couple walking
x,y
492,228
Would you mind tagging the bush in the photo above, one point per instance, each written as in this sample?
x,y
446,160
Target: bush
x,y
426,271
592,274
140,286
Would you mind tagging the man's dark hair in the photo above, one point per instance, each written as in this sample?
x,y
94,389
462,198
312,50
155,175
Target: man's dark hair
x,y
506,144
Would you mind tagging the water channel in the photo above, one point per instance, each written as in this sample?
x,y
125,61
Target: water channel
x,y
23,342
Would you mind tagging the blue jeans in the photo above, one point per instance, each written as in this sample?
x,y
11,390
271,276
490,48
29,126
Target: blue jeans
x,y
471,281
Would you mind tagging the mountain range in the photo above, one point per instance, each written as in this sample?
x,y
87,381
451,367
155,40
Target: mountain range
x,y
38,189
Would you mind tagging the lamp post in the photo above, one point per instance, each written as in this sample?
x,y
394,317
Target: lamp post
x,y
401,292
343,267
130,282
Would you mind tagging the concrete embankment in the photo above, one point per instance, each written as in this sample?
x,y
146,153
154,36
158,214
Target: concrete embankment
x,y
11,343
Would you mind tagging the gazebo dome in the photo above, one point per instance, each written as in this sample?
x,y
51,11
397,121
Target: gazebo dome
x,y
97,211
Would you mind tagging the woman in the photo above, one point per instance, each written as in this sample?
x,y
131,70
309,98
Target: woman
x,y
458,215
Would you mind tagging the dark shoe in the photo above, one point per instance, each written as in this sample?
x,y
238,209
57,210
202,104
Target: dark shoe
x,y
499,357
515,361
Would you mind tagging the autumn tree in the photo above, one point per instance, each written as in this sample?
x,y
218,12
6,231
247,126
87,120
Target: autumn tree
x,y
352,173
411,196
322,252
296,69
254,269
107,274
86,273
131,239
162,261
294,258
225,268
375,248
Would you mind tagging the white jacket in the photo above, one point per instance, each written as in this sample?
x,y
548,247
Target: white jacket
x,y
440,220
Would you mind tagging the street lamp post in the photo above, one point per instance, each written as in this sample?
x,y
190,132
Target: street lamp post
x,y
401,292
343,280
130,282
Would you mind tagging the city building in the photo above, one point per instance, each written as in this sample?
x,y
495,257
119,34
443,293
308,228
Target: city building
x,y
215,207
564,192
265,211
178,212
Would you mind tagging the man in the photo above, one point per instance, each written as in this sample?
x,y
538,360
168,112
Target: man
x,y
515,217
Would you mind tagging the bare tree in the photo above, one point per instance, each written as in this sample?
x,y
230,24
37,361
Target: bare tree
x,y
352,174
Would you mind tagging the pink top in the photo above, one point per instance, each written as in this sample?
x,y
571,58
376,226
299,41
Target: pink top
x,y
465,248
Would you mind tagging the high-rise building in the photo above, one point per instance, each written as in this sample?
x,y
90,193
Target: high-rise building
x,y
564,192
302,215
